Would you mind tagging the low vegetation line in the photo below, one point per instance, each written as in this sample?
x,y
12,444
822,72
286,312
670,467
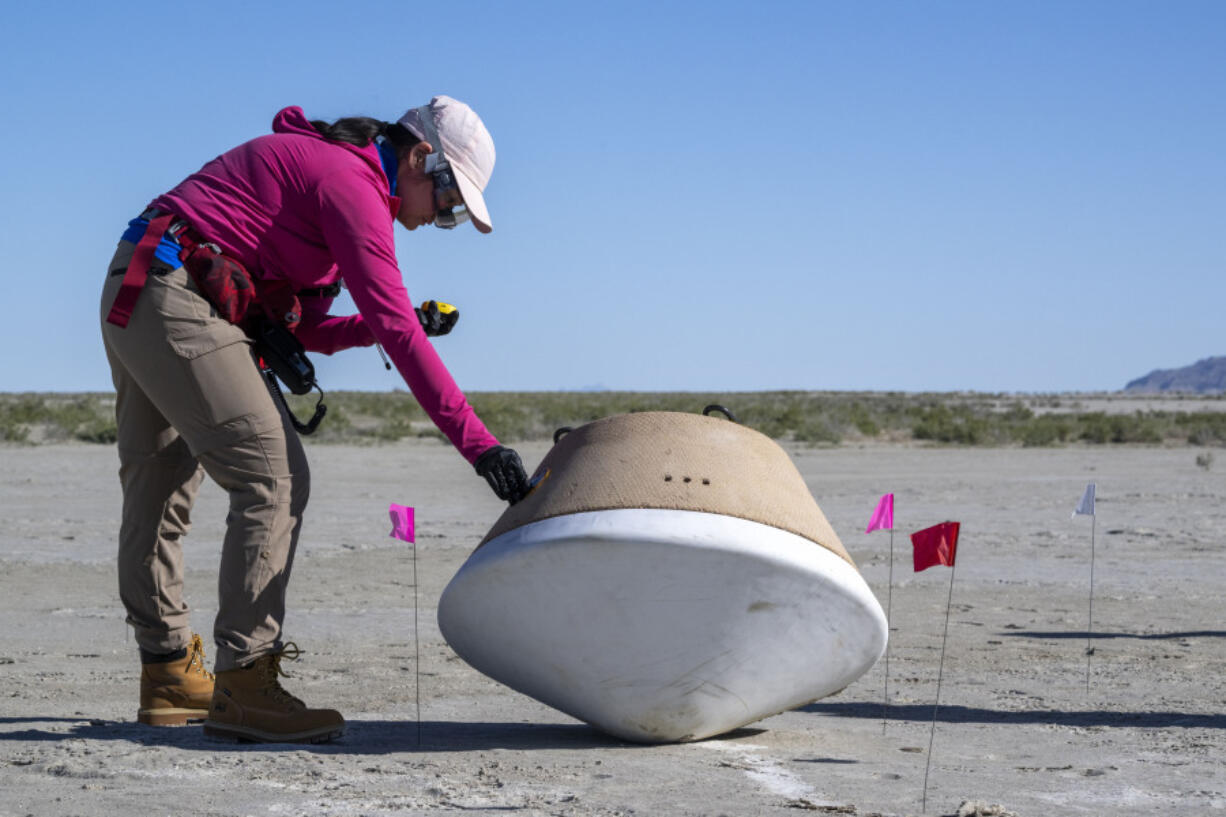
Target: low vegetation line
x,y
960,419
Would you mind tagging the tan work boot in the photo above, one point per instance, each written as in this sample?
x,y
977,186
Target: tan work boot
x,y
178,691
249,703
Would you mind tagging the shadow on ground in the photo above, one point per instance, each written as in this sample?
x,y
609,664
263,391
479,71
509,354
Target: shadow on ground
x,y
1055,717
1147,636
362,737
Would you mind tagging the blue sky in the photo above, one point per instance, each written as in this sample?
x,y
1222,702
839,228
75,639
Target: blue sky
x,y
996,196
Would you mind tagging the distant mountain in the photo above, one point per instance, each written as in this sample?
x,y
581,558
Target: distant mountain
x,y
1202,377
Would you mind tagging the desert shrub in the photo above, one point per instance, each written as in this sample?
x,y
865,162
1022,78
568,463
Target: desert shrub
x,y
389,431
1017,413
24,410
815,430
809,417
1098,427
952,425
17,414
1045,430
1141,428
509,419
863,421
13,432
396,405
85,417
1202,429
98,430
776,422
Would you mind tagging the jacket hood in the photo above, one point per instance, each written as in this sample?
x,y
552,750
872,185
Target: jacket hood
x,y
293,120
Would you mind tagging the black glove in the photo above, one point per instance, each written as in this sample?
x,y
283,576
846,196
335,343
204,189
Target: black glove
x,y
504,472
437,321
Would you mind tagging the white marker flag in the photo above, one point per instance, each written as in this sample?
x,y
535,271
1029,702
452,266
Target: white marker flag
x,y
1086,506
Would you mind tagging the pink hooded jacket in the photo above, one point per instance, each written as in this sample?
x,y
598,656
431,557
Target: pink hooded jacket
x,y
296,207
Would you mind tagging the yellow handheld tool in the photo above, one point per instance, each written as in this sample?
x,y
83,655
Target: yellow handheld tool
x,y
446,309
437,318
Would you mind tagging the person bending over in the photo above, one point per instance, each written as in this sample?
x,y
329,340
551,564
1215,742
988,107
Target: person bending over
x,y
264,234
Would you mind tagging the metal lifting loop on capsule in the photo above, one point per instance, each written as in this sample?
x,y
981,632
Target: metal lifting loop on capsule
x,y
561,432
722,409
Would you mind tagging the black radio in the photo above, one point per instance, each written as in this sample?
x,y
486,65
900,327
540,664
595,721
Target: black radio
x,y
283,357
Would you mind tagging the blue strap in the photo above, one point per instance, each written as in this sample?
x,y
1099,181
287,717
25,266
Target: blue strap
x,y
167,250
391,164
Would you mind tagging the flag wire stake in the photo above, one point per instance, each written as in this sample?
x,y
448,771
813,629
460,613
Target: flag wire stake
x,y
416,647
889,597
940,672
1090,624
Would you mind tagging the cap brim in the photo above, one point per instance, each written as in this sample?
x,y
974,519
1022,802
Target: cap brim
x,y
474,202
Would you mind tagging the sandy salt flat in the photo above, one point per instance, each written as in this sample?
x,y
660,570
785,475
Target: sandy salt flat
x,y
1017,727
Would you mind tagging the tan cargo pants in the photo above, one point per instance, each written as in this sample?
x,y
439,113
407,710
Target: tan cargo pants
x,y
191,401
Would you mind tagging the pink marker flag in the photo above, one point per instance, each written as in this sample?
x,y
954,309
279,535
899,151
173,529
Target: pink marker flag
x,y
402,522
883,517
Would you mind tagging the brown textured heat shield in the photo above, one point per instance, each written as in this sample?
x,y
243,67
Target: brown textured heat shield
x,y
675,461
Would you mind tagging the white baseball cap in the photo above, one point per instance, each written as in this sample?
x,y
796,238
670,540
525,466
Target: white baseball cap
x,y
468,148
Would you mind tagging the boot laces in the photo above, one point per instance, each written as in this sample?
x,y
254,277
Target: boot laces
x,y
195,652
272,669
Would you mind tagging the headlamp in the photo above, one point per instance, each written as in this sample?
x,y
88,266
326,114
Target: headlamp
x,y
447,215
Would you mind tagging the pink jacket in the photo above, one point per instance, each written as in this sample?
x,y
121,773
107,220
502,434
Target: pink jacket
x,y
294,206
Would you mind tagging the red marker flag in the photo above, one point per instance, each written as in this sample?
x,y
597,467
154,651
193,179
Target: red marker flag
x,y
935,546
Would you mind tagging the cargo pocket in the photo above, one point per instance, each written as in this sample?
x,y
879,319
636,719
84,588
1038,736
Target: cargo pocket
x,y
232,399
192,325
262,566
191,341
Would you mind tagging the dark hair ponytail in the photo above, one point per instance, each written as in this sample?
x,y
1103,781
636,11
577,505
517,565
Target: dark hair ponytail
x,y
362,130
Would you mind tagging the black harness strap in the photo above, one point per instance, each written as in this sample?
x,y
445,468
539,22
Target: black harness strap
x,y
330,291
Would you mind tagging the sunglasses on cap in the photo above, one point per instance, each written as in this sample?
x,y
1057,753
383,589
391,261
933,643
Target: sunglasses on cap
x,y
448,215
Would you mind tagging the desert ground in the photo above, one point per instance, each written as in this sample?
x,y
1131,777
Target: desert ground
x,y
1016,726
